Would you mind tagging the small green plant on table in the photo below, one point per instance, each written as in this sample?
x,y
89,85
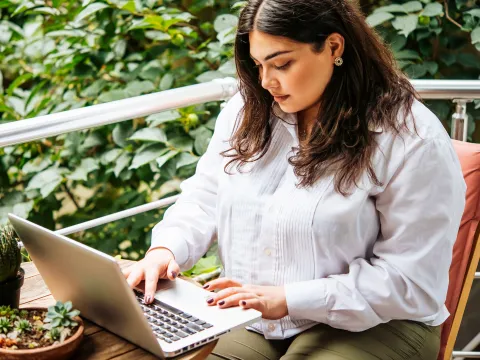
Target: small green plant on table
x,y
31,329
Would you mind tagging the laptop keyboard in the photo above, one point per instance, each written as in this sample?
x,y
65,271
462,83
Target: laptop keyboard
x,y
168,323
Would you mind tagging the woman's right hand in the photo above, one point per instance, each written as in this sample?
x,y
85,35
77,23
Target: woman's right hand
x,y
157,264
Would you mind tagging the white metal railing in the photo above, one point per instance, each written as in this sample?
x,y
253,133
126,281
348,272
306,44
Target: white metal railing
x,y
17,132
40,127
459,91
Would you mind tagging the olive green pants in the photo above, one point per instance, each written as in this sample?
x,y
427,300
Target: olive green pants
x,y
396,340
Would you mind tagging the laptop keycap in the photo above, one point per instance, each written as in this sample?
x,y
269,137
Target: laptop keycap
x,y
168,323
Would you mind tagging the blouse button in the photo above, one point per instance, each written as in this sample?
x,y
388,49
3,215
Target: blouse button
x,y
268,252
271,327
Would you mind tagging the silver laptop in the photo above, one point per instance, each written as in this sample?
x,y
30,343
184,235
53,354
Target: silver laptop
x,y
178,320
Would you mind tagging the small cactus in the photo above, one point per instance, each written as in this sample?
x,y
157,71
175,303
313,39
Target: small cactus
x,y
10,255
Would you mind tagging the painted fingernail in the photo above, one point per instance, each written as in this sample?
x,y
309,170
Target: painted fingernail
x,y
209,300
174,274
221,303
244,303
206,286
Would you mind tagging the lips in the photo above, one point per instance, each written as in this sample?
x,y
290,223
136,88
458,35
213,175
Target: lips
x,y
280,98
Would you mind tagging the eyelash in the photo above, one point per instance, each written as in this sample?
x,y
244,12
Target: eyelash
x,y
283,67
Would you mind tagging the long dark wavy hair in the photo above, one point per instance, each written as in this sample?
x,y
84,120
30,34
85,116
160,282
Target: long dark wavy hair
x,y
368,89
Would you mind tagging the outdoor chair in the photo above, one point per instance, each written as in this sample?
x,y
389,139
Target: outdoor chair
x,y
466,251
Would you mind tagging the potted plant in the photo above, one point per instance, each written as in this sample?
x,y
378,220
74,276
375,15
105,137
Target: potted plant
x,y
11,275
40,333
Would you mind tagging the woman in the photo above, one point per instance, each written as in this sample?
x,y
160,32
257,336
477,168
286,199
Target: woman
x,y
334,193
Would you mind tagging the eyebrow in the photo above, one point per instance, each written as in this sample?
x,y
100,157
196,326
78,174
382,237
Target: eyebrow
x,y
271,56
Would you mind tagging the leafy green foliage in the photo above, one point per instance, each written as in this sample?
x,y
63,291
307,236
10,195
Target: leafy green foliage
x,y
61,55
432,41
58,55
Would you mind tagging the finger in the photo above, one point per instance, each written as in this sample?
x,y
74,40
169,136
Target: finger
x,y
135,276
127,271
214,299
151,280
221,283
235,300
173,270
253,303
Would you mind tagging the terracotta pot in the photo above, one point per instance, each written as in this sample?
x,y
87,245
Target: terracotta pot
x,y
58,352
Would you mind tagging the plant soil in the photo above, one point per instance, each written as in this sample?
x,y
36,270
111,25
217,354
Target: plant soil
x,y
33,338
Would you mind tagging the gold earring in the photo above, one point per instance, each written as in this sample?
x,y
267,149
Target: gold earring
x,y
338,61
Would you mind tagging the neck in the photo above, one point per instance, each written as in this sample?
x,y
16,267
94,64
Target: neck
x,y
306,119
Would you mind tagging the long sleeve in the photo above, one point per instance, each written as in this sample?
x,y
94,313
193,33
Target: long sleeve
x,y
419,209
189,226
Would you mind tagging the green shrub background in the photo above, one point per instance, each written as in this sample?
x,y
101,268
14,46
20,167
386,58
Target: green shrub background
x,y
59,55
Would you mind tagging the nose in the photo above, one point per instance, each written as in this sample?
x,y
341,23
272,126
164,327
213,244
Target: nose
x,y
268,81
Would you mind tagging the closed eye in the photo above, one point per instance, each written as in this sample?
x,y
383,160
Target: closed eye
x,y
283,67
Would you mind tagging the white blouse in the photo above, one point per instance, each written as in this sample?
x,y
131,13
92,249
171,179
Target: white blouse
x,y
353,262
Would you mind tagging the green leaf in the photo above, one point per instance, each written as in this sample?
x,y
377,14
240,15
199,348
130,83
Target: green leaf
x,y
17,82
391,9
475,35
185,159
204,265
89,10
122,162
473,12
468,60
181,143
239,5
110,156
36,165
405,24
209,76
149,134
378,18
46,181
225,21
433,9
121,133
167,81
431,66
164,158
202,139
163,117
448,58
416,71
68,305
146,155
46,10
23,209
407,55
86,167
413,6
137,87
112,95
92,140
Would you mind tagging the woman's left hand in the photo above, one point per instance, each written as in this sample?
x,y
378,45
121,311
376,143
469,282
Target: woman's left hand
x,y
269,300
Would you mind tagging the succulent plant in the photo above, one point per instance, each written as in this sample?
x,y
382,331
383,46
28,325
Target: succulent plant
x,y
61,315
23,325
5,325
10,255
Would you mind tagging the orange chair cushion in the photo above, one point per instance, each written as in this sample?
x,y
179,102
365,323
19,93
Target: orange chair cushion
x,y
469,156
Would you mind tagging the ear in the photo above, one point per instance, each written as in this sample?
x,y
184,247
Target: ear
x,y
336,44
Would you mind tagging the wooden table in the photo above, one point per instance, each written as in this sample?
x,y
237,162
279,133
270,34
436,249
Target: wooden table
x,y
97,342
